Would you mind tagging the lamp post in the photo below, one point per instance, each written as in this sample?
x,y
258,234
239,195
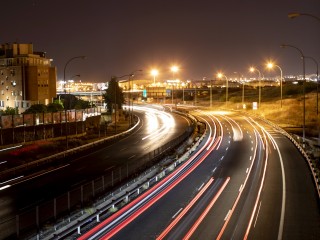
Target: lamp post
x,y
270,65
296,14
242,87
65,67
317,66
304,93
115,103
317,100
220,75
69,83
183,86
130,90
253,69
64,79
154,73
129,97
195,94
174,69
210,93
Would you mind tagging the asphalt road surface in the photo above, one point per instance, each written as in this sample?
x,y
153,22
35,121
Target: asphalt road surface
x,y
156,129
248,181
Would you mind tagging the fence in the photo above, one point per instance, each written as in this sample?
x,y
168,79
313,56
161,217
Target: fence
x,y
35,126
30,222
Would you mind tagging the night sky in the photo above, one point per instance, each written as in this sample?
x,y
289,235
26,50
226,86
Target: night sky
x,y
202,37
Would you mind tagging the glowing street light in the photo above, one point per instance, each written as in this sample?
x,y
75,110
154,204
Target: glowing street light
x,y
221,75
154,73
270,65
174,69
253,69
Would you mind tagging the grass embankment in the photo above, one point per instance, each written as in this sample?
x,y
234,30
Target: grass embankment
x,y
290,115
43,148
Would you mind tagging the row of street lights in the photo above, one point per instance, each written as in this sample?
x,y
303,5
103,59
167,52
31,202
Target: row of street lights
x,y
155,72
175,69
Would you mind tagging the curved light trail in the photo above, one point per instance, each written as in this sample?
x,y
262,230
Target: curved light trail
x,y
227,210
124,216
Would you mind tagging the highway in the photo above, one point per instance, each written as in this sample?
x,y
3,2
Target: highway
x,y
246,181
156,128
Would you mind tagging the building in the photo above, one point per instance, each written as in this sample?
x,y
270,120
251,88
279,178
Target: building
x,y
26,77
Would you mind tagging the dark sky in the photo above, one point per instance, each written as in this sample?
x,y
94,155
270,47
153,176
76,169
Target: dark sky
x,y
200,36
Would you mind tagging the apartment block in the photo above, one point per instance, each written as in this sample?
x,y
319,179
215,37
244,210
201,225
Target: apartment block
x,y
26,77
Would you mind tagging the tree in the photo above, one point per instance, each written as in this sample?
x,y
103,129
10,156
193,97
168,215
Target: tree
x,y
36,108
69,101
113,96
82,104
9,111
56,106
72,102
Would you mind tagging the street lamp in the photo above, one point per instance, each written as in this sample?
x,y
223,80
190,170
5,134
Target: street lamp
x,y
69,84
242,87
129,89
270,65
304,92
220,75
253,69
210,93
65,67
174,69
154,73
64,79
183,84
317,110
296,14
317,66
